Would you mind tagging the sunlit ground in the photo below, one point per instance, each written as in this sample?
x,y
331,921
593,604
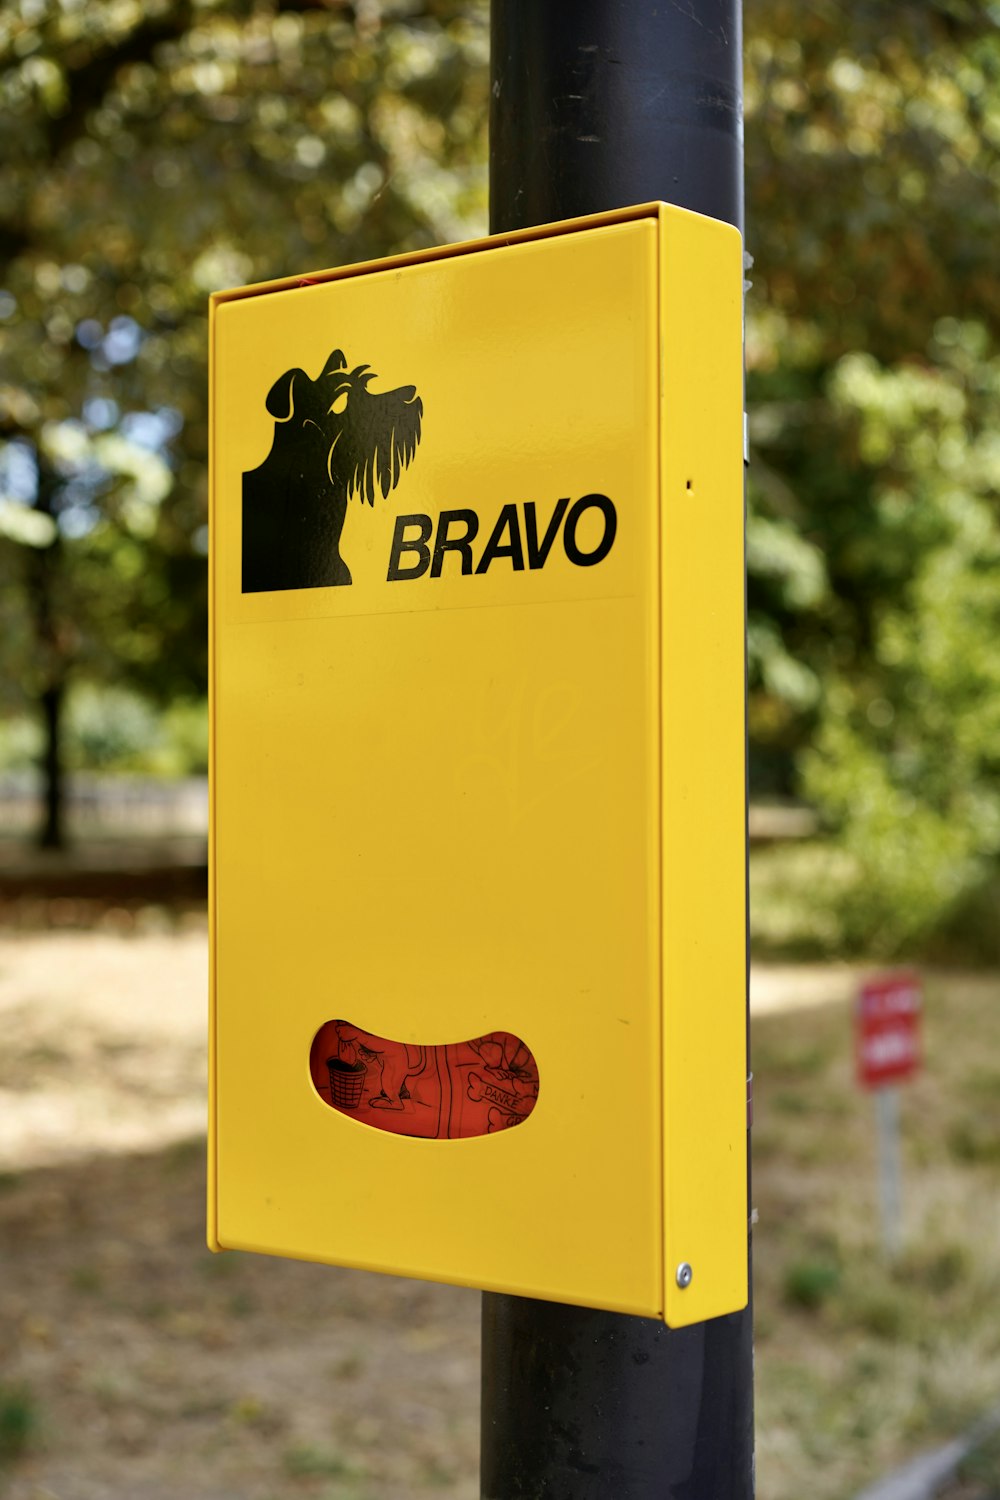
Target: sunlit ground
x,y
138,1364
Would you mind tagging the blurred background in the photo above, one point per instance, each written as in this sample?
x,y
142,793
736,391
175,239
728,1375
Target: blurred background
x,y
154,153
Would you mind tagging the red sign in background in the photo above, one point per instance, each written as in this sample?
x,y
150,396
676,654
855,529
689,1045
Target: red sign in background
x,y
888,1028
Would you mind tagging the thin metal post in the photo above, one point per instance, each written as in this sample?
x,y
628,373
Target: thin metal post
x,y
595,105
889,1174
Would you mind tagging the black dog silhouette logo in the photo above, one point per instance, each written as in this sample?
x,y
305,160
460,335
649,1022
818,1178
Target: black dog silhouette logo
x,y
333,439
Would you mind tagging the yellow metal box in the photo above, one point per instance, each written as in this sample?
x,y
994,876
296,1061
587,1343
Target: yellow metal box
x,y
478,768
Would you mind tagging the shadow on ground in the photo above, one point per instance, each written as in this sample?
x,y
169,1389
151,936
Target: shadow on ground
x,y
134,1362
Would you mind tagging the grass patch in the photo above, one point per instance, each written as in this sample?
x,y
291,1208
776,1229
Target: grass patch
x,y
810,1283
861,1362
982,1466
18,1422
86,1279
973,1141
308,1460
180,1154
796,894
808,900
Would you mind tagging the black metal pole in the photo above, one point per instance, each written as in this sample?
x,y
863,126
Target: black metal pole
x,y
597,104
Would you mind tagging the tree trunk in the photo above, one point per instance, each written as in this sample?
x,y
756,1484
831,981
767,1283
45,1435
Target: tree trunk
x,y
52,832
53,660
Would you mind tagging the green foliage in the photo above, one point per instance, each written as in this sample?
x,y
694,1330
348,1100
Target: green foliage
x,y
154,153
874,586
799,893
907,758
870,153
20,743
157,152
114,729
110,727
810,1283
185,733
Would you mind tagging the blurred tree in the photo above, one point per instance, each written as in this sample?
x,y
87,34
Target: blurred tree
x,y
153,153
873,153
873,138
907,759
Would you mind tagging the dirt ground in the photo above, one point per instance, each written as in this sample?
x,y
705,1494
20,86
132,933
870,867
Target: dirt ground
x,y
138,1364
103,1042
134,1365
102,1035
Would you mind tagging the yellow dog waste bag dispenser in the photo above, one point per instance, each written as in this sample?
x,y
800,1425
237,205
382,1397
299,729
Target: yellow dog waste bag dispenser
x,y
478,961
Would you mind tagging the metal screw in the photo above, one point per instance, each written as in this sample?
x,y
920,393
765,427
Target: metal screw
x,y
684,1275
